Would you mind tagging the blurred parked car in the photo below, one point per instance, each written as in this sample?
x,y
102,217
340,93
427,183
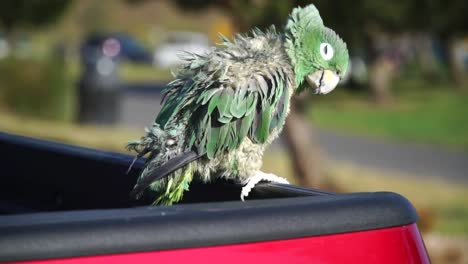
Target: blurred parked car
x,y
169,53
116,45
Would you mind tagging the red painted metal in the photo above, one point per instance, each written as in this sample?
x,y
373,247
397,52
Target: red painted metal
x,y
402,245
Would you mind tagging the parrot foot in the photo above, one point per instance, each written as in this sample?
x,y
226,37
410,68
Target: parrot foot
x,y
258,177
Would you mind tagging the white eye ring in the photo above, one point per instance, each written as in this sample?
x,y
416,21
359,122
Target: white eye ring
x,y
326,50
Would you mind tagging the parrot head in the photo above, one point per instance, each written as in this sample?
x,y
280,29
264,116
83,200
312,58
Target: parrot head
x,y
319,56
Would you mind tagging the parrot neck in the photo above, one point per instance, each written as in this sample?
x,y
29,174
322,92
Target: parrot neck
x,y
298,70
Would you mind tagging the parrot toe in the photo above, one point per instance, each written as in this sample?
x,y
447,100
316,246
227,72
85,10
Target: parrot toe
x,y
258,177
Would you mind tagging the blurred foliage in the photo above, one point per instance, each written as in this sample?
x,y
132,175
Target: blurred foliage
x,y
349,18
34,88
148,21
354,19
246,13
95,17
30,12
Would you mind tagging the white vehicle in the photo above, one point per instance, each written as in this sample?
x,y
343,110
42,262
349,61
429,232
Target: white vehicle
x,y
169,53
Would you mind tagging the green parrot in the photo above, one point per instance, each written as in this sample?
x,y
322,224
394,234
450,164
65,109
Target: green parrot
x,y
225,107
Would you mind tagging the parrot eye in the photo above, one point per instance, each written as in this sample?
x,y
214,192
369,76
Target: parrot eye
x,y
326,51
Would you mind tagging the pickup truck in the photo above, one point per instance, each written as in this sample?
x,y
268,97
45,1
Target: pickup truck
x,y
67,204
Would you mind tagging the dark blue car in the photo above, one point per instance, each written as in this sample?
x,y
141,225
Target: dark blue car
x,y
115,45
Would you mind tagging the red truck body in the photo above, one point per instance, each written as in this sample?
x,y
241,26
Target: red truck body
x,y
401,245
69,205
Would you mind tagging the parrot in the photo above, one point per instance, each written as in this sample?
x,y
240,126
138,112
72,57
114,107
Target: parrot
x,y
225,107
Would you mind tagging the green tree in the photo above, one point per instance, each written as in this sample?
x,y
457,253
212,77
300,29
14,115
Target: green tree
x,y
245,13
23,81
357,21
447,20
29,13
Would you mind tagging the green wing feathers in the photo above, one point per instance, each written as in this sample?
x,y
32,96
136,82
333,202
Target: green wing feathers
x,y
226,98
220,117
225,116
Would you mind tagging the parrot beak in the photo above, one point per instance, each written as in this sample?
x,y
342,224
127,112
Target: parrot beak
x,y
324,81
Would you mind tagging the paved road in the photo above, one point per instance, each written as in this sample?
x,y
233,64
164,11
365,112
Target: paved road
x,y
409,158
139,109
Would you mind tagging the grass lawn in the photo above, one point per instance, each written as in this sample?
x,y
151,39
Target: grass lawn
x,y
144,73
423,112
108,138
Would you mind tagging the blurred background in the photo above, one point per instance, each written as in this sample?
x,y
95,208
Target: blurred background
x,y
90,73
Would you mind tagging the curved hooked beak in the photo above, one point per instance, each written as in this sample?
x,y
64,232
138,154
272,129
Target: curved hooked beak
x,y
324,81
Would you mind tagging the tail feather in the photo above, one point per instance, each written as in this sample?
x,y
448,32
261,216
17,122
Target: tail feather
x,y
137,157
163,171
